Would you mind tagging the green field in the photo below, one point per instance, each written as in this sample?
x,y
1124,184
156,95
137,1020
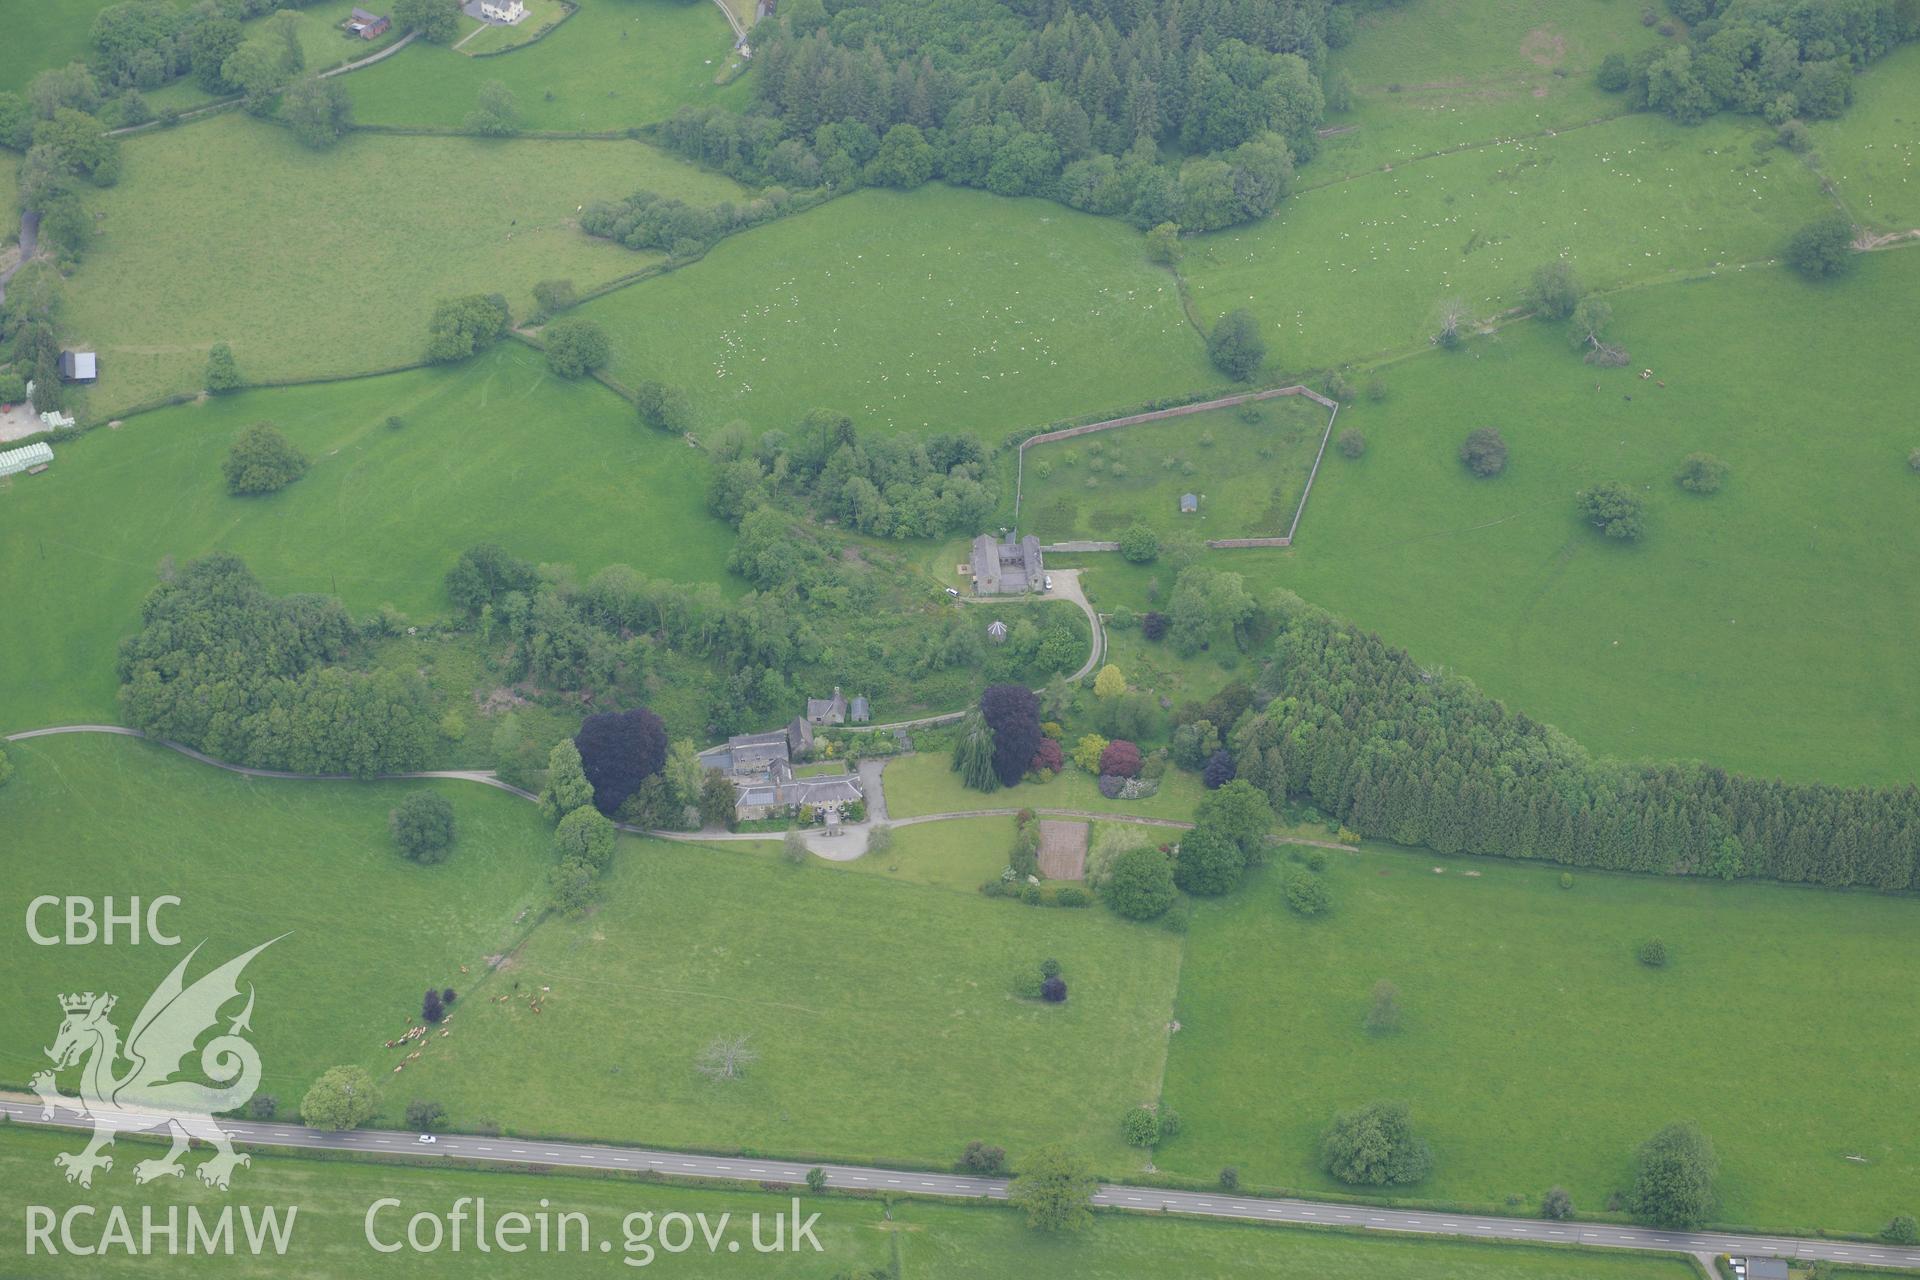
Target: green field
x,y
864,1000
332,1198
967,1243
1442,74
331,262
497,450
1248,475
45,35
251,860
613,64
1870,152
1791,580
934,310
321,39
925,783
1535,1050
1361,267
922,1241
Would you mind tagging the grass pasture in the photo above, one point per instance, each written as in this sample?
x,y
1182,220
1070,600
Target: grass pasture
x,y
332,1197
1444,74
331,262
849,989
251,859
1535,1050
922,1240
934,310
946,1242
1248,466
1870,153
1791,580
497,449
1361,267
612,65
43,36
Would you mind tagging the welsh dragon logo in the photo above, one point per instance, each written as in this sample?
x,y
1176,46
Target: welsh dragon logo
x,y
144,1095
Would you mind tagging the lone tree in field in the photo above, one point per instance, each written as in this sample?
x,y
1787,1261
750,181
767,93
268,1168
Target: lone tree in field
x,y
1553,292
619,750
1484,452
223,373
1375,1146
726,1058
342,1098
1012,713
1055,1190
1140,884
1352,443
1587,329
318,111
1822,248
495,114
423,826
1673,1186
1556,1205
1652,953
1235,345
1307,893
1383,1016
575,347
1701,473
1454,317
262,461
1614,510
432,1006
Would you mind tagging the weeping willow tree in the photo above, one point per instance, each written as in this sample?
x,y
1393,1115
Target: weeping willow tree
x,y
973,753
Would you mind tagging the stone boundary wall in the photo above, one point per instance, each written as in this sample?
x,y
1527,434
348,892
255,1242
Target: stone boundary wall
x,y
1179,411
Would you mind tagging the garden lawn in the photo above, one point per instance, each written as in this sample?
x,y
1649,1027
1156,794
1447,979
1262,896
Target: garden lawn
x,y
1870,152
251,860
1248,476
494,450
332,1198
1536,1050
883,1016
925,783
612,65
1764,628
331,262
1444,74
1361,267
944,1241
959,853
934,310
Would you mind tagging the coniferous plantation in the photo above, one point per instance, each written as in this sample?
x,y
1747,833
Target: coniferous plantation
x,y
1039,637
